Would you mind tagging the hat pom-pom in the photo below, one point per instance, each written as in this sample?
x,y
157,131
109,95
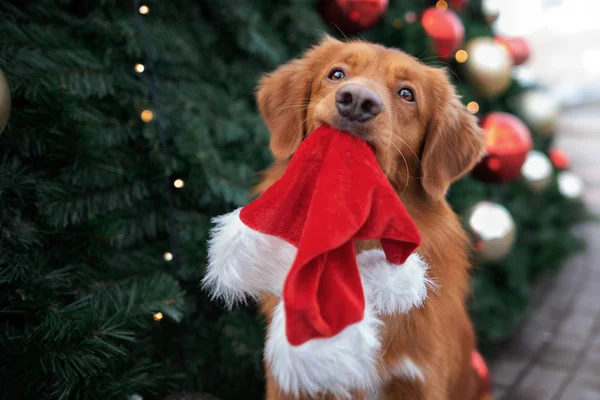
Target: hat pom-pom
x,y
391,288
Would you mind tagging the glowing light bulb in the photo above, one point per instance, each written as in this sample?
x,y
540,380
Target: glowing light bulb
x,y
158,316
178,183
461,56
139,68
167,256
473,107
147,115
144,10
441,5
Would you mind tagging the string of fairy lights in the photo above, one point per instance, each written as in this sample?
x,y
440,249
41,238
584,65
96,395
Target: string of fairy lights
x,y
147,116
461,56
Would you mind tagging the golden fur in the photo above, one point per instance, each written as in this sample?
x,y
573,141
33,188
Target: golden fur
x,y
422,147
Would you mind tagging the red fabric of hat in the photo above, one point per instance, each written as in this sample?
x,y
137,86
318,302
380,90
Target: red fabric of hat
x,y
332,194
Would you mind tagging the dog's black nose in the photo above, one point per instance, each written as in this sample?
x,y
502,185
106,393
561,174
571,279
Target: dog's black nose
x,y
358,103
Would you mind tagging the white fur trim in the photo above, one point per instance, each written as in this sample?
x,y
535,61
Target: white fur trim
x,y
391,288
338,365
375,393
406,368
243,262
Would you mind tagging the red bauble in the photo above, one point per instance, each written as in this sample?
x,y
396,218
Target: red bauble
x,y
518,48
559,158
481,369
353,15
457,5
507,142
446,30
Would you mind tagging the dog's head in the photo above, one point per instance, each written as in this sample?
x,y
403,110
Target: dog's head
x,y
407,111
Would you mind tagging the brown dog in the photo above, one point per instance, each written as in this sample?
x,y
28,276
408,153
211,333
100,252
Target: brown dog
x,y
424,139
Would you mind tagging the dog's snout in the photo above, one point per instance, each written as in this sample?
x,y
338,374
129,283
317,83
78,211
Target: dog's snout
x,y
358,103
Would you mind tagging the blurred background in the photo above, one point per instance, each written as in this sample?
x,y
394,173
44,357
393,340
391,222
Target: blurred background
x,y
125,126
563,36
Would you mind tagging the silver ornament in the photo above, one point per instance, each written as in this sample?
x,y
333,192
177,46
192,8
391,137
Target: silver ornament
x,y
492,228
540,110
570,185
525,75
491,10
537,171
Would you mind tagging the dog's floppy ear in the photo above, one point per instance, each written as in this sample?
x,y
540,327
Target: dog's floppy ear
x,y
283,97
454,141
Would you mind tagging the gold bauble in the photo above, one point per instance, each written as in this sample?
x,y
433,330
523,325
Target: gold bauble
x,y
540,110
492,228
488,67
4,102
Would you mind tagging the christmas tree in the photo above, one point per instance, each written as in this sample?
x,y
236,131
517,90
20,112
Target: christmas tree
x,y
131,125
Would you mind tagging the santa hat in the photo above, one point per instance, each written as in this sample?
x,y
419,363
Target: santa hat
x,y
297,241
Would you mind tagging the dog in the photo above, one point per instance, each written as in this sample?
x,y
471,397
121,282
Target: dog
x,y
424,140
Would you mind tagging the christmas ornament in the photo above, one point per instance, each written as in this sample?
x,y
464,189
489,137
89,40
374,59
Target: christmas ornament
x,y
540,110
482,370
488,67
493,230
445,29
559,158
491,10
411,17
324,335
518,48
4,102
507,142
537,171
570,185
353,15
458,5
525,75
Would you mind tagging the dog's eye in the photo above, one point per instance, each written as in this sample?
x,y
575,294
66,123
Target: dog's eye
x,y
336,75
406,94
